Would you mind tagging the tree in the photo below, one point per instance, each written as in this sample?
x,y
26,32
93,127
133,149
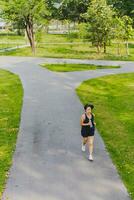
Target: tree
x,y
54,6
125,7
28,13
71,9
99,19
128,31
118,32
123,31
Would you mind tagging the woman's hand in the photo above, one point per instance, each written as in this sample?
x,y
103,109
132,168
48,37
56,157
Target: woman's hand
x,y
90,123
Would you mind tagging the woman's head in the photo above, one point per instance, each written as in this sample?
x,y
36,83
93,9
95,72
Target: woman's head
x,y
88,108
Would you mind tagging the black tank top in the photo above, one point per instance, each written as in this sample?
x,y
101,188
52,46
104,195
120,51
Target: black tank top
x,y
86,120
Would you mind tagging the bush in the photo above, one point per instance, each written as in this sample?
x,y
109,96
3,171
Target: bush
x,y
83,32
72,35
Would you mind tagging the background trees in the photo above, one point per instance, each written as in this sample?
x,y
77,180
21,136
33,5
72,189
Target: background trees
x,y
122,31
26,13
124,7
99,21
72,9
99,18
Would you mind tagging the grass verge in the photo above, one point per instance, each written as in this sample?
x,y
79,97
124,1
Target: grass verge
x,y
11,93
113,97
74,67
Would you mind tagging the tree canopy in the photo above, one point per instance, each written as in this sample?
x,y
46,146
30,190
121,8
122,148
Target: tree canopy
x,y
27,13
99,18
68,9
124,7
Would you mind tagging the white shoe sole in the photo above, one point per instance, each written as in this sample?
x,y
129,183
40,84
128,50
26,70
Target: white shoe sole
x,y
83,149
90,159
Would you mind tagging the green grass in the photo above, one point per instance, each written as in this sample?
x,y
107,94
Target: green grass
x,y
10,107
80,51
74,67
5,46
113,97
11,38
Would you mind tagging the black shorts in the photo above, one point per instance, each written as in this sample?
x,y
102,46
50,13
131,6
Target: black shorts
x,y
87,131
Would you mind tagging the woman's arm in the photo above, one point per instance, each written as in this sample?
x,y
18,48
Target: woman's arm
x,y
82,121
93,118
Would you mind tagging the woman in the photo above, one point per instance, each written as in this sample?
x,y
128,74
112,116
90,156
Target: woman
x,y
88,129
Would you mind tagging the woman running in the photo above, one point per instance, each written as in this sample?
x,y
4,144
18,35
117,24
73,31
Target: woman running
x,y
88,129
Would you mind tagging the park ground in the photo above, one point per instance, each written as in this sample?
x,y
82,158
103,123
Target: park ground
x,y
113,98
65,46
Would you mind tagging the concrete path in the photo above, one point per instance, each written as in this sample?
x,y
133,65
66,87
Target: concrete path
x,y
48,163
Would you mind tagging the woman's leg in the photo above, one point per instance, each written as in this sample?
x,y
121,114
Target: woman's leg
x,y
91,145
84,141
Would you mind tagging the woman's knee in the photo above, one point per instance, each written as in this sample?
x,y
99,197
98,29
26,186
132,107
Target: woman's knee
x,y
91,141
85,140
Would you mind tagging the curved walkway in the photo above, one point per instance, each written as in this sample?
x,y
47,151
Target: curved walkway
x,y
48,163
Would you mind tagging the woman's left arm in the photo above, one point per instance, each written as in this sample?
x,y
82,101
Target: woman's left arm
x,y
93,118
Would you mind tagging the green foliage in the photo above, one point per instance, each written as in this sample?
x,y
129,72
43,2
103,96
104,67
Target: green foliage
x,y
39,36
72,9
54,7
20,10
128,30
123,28
72,35
83,31
26,14
124,7
123,31
99,21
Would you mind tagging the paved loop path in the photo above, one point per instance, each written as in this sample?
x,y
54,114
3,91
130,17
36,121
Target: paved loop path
x,y
48,163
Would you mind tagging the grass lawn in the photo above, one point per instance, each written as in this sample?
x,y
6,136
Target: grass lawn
x,y
11,38
74,67
5,46
11,93
113,97
73,50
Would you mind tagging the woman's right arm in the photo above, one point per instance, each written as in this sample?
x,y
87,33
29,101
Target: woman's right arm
x,y
82,121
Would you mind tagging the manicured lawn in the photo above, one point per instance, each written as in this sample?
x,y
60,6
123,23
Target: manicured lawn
x,y
80,51
11,93
53,47
113,97
74,67
5,46
11,38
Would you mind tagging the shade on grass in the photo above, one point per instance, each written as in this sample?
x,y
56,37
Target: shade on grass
x,y
10,107
74,67
113,97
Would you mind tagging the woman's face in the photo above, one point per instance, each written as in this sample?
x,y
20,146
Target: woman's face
x,y
88,110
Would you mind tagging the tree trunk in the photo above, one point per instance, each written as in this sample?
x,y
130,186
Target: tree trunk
x,y
30,35
118,49
127,49
105,47
98,48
